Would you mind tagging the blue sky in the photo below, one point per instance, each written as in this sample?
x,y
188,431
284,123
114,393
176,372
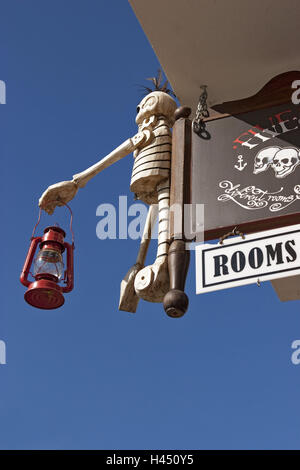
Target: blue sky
x,y
87,376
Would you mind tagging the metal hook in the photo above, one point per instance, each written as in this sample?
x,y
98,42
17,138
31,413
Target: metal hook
x,y
233,232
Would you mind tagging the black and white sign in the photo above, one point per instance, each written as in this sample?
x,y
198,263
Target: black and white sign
x,y
248,171
263,256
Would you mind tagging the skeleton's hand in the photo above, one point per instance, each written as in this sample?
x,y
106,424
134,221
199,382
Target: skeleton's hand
x,y
57,195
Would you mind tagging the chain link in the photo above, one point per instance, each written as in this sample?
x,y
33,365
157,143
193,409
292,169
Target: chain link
x,y
201,113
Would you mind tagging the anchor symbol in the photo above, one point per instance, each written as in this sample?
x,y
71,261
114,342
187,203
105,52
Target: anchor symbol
x,y
240,166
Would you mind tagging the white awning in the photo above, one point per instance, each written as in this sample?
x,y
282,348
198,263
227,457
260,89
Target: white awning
x,y
233,46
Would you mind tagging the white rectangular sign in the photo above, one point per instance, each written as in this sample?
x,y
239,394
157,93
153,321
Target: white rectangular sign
x,y
261,256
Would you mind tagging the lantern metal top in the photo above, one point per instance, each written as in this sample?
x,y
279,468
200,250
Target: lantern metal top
x,y
233,47
56,228
54,234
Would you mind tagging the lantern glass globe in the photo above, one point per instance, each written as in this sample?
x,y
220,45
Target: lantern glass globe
x,y
49,262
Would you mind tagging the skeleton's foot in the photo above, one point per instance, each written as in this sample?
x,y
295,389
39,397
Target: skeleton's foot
x,y
152,282
128,297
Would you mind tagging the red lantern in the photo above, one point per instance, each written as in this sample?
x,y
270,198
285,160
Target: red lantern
x,y
45,292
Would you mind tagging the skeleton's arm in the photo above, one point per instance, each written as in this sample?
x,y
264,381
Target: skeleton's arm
x,y
120,152
61,193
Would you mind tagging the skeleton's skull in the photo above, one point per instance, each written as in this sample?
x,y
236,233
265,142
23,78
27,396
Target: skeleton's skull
x,y
156,103
285,162
264,159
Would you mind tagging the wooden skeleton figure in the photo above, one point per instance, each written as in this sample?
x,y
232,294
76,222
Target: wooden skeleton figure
x,y
150,181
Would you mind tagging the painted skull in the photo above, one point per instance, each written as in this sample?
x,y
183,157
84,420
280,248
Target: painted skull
x,y
156,103
285,162
264,158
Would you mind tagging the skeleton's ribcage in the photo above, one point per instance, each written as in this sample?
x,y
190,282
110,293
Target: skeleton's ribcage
x,y
152,165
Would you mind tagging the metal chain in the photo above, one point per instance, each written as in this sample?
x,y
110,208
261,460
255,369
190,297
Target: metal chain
x,y
201,113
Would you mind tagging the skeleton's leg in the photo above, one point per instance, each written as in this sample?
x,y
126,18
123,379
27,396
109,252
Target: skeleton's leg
x,y
152,282
128,297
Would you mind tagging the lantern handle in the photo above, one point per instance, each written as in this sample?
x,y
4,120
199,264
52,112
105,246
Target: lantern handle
x,y
71,221
38,221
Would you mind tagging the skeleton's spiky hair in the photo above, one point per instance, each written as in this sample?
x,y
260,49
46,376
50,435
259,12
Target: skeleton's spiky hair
x,y
158,84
